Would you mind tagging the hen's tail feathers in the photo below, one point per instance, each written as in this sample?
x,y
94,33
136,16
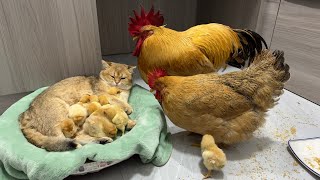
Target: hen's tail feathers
x,y
263,82
251,45
281,66
50,143
273,72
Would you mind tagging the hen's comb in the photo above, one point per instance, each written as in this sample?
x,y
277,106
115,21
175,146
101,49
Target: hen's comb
x,y
153,76
151,18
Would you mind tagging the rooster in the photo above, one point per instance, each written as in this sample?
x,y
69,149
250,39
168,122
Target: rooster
x,y
200,49
231,106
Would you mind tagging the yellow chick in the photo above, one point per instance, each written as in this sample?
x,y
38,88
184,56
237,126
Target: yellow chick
x,y
92,107
117,115
98,125
85,98
213,157
78,114
90,102
103,100
109,111
121,120
89,98
68,128
94,98
113,91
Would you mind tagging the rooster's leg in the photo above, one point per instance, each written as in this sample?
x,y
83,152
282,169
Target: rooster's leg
x,y
207,175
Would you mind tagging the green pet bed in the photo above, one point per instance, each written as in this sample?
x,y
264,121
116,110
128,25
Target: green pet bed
x,y
21,160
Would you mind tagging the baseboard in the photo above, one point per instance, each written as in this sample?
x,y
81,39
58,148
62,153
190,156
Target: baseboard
x,y
7,100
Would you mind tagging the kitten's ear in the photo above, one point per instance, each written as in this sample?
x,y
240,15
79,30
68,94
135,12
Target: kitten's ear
x,y
106,64
131,68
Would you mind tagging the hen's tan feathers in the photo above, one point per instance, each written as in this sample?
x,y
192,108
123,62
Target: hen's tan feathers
x,y
230,106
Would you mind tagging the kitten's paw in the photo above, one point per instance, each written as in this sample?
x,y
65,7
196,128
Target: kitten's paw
x,y
128,110
78,146
131,124
105,140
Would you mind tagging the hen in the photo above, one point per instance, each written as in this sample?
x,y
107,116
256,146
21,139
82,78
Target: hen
x,y
200,49
230,107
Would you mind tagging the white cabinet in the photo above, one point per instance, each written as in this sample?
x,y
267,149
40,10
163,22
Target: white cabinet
x,y
297,32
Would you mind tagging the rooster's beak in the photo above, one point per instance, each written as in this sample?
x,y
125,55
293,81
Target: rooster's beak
x,y
134,38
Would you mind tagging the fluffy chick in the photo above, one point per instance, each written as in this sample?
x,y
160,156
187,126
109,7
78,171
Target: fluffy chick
x,y
98,125
85,98
78,114
213,157
113,91
103,100
92,107
94,98
117,115
68,128
89,98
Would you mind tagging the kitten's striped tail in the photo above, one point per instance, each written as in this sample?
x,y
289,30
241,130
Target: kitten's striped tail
x,y
50,143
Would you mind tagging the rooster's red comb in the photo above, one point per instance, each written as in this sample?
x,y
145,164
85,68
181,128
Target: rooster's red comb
x,y
151,18
153,76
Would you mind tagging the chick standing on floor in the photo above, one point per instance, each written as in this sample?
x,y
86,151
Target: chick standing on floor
x,y
213,156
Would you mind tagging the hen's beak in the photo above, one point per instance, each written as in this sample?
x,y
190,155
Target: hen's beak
x,y
152,90
135,37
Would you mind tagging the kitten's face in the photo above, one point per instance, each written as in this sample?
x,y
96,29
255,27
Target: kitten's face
x,y
117,75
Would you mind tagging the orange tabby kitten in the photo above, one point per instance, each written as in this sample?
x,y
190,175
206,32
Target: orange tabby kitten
x,y
41,123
